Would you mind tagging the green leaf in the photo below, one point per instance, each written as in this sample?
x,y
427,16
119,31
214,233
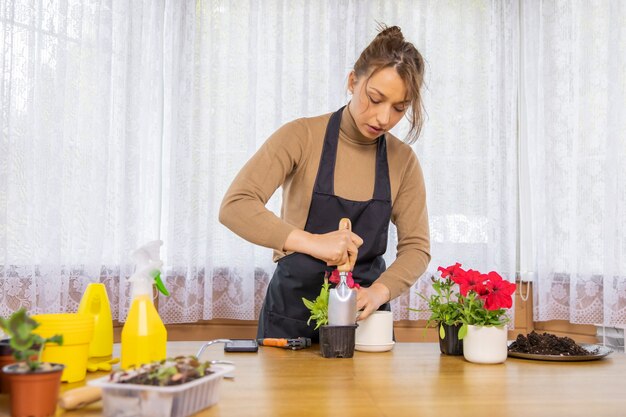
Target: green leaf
x,y
33,365
463,331
164,373
4,324
308,304
18,343
442,332
57,338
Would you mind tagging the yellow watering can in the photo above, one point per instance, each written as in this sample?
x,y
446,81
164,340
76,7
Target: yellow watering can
x,y
96,304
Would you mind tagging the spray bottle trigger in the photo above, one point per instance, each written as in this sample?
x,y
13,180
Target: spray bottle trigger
x,y
159,284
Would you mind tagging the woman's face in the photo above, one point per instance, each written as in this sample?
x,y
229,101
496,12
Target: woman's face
x,y
379,103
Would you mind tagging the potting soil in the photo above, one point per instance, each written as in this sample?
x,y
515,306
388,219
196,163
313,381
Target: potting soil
x,y
547,344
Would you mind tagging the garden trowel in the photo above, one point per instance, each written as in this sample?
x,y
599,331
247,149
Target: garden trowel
x,y
342,299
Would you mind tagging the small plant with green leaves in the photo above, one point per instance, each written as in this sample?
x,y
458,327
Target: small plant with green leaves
x,y
26,345
319,306
444,305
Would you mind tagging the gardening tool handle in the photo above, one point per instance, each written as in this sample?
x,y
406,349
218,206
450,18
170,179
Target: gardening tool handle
x,y
345,223
79,397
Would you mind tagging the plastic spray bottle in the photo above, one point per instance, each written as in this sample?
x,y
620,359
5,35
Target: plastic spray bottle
x,y
144,337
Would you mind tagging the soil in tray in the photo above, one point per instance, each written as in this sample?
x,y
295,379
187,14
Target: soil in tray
x,y
547,344
173,371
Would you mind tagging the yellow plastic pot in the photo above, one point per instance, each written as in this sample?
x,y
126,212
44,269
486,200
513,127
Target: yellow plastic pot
x,y
77,331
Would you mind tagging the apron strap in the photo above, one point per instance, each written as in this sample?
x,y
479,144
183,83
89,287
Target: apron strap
x,y
382,184
325,180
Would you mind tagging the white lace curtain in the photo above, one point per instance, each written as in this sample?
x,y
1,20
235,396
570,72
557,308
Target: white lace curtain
x,y
81,146
126,121
574,125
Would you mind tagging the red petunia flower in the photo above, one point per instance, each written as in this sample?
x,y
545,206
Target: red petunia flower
x,y
469,281
453,270
481,289
500,292
334,279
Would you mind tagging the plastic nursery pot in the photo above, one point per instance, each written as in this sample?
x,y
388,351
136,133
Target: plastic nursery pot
x,y
337,341
6,358
450,344
34,394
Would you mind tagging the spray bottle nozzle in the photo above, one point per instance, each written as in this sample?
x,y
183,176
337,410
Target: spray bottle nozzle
x,y
148,270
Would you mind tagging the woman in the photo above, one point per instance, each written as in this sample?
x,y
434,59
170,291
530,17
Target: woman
x,y
343,164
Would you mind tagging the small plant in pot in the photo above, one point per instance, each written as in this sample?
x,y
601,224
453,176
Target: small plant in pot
x,y
485,298
336,341
34,384
445,310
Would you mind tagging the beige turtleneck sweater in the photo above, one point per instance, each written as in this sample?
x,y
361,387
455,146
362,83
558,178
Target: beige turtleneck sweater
x,y
290,158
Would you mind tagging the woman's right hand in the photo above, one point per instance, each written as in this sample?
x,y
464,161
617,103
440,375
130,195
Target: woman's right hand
x,y
334,248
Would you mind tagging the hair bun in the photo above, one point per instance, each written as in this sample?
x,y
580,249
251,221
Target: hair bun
x,y
390,32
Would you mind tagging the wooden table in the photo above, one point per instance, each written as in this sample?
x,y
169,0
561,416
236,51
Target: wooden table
x,y
411,380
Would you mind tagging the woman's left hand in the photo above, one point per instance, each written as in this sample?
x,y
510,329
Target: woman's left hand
x,y
369,299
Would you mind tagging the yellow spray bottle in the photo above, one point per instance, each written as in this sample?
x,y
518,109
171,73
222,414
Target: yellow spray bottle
x,y
144,337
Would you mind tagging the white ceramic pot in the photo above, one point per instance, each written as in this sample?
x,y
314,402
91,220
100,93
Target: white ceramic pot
x,y
485,344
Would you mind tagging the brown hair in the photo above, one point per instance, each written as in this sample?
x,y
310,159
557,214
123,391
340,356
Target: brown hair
x,y
389,49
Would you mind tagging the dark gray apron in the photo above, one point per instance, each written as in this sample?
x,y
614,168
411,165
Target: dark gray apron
x,y
299,275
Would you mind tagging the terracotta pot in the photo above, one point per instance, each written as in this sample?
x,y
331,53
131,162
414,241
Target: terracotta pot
x,y
485,344
337,341
6,358
34,394
450,344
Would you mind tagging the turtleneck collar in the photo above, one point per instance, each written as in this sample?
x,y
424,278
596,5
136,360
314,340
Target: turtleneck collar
x,y
349,128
